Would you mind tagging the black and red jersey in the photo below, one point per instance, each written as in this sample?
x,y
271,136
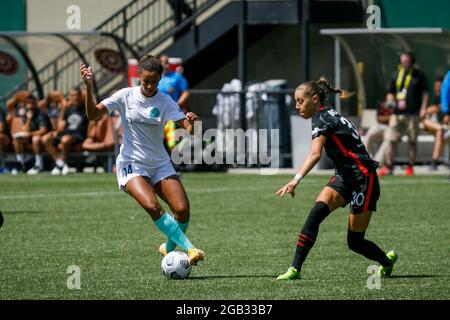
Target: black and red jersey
x,y
343,144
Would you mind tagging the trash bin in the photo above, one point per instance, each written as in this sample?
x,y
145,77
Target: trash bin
x,y
275,115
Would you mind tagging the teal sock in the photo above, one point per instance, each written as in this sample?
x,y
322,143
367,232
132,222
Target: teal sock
x,y
170,245
169,227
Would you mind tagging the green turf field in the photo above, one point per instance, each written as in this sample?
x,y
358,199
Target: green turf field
x,y
247,233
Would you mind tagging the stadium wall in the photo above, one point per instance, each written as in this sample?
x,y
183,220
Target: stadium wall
x,y
410,13
50,15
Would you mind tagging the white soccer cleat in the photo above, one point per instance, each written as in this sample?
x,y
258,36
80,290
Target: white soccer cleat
x,y
65,170
33,171
56,171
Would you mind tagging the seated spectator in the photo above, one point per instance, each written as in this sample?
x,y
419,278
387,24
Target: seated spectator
x,y
375,144
73,127
433,124
17,102
54,105
34,124
5,138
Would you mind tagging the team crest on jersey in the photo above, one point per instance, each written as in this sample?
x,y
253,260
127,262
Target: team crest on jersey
x,y
154,112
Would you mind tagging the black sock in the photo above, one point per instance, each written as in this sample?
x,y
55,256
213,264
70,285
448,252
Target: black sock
x,y
368,249
308,235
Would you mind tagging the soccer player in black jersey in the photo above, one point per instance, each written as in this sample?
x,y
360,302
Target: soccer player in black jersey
x,y
355,180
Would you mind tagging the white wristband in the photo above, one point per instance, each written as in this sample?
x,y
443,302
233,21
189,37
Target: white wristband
x,y
298,177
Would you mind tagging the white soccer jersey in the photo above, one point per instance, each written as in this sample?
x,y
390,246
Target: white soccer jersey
x,y
143,121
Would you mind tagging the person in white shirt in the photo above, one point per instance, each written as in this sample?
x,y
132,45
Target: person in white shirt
x,y
143,167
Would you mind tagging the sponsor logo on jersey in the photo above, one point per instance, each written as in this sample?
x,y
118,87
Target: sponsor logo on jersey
x,y
315,131
141,123
332,112
154,112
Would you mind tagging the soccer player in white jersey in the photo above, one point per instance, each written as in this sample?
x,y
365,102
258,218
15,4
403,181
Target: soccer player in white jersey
x,y
143,166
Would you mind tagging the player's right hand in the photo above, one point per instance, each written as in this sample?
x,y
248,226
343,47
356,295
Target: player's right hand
x,y
288,188
86,74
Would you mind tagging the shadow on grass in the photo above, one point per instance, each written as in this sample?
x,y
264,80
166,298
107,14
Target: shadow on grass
x,y
230,277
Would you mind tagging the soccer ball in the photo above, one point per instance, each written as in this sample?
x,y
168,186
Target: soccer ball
x,y
175,265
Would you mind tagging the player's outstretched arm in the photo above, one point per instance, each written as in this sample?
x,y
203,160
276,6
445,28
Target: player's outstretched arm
x,y
93,110
311,160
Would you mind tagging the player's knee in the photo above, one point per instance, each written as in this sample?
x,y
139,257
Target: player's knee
x,y
181,211
355,240
318,213
153,208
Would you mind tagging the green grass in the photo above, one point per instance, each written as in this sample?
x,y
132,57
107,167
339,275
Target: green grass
x,y
247,233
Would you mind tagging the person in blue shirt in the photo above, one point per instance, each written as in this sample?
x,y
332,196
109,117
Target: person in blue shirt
x,y
174,84
445,97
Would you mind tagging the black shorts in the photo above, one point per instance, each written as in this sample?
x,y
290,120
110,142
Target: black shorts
x,y
362,194
76,137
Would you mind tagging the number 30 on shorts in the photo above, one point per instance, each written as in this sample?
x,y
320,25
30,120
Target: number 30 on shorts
x,y
357,198
126,170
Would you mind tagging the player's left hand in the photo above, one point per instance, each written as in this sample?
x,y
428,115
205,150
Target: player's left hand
x,y
288,188
192,117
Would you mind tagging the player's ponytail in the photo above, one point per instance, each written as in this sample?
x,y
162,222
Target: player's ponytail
x,y
343,94
322,87
324,82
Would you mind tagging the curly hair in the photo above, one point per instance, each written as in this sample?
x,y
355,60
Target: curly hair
x,y
150,63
